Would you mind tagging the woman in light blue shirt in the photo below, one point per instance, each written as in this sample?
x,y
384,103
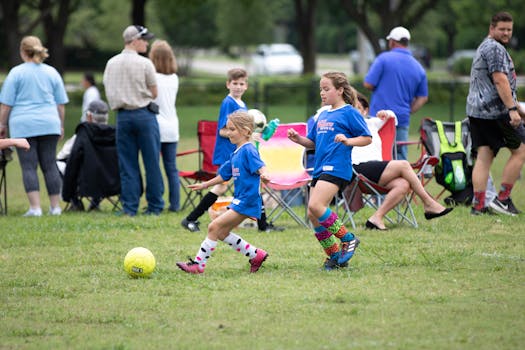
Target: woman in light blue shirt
x,y
33,98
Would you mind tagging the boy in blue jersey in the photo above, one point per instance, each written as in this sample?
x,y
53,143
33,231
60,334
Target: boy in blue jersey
x,y
237,84
247,170
336,131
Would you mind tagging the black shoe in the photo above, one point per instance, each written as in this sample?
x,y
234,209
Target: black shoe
x,y
504,206
192,226
430,216
371,226
271,228
483,211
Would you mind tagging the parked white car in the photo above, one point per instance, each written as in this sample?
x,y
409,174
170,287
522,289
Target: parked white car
x,y
276,59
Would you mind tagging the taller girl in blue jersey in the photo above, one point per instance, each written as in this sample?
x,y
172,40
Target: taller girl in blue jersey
x,y
247,170
333,135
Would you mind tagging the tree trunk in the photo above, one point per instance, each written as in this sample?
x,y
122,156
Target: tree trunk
x,y
10,25
138,12
305,15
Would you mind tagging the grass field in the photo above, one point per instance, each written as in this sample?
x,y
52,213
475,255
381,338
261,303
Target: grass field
x,y
453,283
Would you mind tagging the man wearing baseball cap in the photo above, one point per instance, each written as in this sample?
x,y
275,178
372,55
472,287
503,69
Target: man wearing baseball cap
x,y
399,83
131,87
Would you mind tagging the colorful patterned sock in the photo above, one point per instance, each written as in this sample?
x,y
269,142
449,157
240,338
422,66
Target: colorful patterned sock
x,y
479,200
332,223
204,253
327,241
504,191
240,245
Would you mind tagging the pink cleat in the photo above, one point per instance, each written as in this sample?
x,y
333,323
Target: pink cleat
x,y
256,262
190,267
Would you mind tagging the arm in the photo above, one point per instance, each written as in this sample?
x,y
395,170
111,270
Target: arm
x,y
61,114
200,186
264,176
505,93
353,141
18,143
154,91
368,86
301,140
417,103
4,116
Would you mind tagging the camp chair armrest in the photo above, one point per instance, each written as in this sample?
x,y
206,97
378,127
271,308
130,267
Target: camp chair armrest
x,y
185,153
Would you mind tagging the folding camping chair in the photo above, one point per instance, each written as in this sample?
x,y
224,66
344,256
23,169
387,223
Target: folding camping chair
x,y
431,142
206,133
284,161
371,193
92,169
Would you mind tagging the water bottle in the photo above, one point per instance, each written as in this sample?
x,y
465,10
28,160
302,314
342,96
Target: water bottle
x,y
269,130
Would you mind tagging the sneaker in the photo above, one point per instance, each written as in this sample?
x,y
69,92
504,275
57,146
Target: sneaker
x,y
33,212
331,264
192,226
347,250
484,211
271,228
190,267
55,211
504,206
256,262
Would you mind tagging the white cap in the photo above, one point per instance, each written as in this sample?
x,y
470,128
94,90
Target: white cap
x,y
398,33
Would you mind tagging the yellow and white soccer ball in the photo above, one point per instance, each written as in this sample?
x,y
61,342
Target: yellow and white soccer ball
x,y
139,262
259,120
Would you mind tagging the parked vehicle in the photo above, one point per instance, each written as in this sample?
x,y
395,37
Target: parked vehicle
x,y
458,56
272,59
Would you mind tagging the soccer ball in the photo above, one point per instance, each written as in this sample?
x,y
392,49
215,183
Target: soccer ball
x,y
259,120
139,262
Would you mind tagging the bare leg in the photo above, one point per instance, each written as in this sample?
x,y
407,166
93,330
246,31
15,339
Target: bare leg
x,y
54,200
513,167
320,197
221,226
402,169
34,199
480,172
398,188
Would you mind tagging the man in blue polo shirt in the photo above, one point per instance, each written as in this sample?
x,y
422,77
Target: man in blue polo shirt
x,y
399,83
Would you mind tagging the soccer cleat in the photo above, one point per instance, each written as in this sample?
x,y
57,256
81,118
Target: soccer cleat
x,y
331,264
190,267
483,211
271,228
347,250
256,262
192,226
504,206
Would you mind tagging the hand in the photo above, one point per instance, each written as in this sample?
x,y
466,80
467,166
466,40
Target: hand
x,y
22,143
292,135
515,119
265,178
197,186
257,137
341,138
384,114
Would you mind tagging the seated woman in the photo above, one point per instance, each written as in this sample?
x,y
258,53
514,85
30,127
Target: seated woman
x,y
396,175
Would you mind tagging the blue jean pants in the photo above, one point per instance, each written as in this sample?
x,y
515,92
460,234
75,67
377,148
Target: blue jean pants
x,y
402,135
138,130
169,158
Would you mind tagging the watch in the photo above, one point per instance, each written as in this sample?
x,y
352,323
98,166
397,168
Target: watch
x,y
513,108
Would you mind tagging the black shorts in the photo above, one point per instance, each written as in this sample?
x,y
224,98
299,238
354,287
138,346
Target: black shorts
x,y
495,133
372,170
341,183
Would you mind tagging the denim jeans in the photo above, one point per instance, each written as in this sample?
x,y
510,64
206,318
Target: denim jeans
x,y
169,154
138,130
402,135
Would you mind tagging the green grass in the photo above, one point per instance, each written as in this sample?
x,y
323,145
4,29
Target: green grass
x,y
453,283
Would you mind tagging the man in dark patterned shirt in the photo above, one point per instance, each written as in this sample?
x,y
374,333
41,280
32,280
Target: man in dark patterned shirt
x,y
495,116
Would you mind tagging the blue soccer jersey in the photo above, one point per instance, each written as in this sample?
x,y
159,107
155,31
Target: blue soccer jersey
x,y
243,166
332,157
223,147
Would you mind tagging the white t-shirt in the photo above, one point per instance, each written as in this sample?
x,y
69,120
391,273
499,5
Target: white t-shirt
x,y
168,86
91,94
372,151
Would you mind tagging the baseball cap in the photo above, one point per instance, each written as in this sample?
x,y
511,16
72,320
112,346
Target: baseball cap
x,y
136,32
98,107
398,33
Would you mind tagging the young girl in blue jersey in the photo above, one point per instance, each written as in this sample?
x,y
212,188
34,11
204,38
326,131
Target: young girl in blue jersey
x,y
335,132
247,170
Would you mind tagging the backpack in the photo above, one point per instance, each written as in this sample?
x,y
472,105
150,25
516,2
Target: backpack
x,y
452,172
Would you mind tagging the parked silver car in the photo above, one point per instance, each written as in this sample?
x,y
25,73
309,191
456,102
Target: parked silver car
x,y
271,59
